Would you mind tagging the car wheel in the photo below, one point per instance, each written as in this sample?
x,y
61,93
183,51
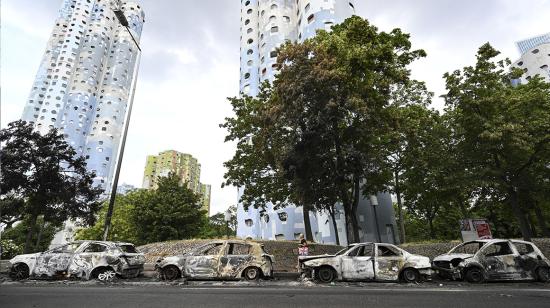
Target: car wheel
x,y
543,274
474,275
106,275
252,273
326,274
19,271
171,272
410,275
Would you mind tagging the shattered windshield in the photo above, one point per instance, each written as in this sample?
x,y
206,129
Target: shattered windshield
x,y
341,252
128,248
467,248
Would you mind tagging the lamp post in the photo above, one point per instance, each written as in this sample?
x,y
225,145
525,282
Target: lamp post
x,y
374,203
227,218
124,22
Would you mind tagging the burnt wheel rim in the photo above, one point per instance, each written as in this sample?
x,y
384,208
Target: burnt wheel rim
x,y
170,273
475,275
251,273
107,275
20,272
544,274
325,275
410,275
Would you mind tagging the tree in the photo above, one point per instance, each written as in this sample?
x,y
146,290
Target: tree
x,y
46,174
217,227
503,130
170,212
122,226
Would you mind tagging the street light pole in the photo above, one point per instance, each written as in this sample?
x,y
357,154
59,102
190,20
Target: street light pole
x,y
124,22
227,218
374,203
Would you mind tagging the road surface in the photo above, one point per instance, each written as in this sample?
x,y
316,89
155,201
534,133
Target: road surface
x,y
373,295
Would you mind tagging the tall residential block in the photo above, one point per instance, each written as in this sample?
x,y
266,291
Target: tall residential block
x,y
535,57
265,26
185,166
83,83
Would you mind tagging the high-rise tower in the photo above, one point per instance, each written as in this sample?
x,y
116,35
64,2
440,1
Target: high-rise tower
x,y
535,57
265,26
83,83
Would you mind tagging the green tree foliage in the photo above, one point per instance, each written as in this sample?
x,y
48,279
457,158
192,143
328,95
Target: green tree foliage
x,y
317,135
44,177
503,131
170,212
217,227
40,240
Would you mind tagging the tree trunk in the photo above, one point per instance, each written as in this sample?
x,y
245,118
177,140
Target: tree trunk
x,y
520,216
400,209
39,237
307,224
531,224
541,221
431,226
30,232
334,225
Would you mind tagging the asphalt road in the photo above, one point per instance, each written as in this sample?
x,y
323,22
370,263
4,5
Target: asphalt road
x,y
80,296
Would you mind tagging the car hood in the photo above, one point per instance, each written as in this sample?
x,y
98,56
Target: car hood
x,y
451,256
309,258
25,257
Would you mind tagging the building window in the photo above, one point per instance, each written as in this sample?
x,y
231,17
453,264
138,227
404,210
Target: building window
x,y
274,6
248,222
274,29
272,18
283,216
310,18
306,9
249,52
249,11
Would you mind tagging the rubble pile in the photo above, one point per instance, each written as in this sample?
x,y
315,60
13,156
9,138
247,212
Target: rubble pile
x,y
285,252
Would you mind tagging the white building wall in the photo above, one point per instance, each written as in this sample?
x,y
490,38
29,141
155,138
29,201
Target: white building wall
x,y
535,61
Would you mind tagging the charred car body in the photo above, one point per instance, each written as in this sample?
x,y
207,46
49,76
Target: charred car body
x,y
80,259
219,260
367,261
493,260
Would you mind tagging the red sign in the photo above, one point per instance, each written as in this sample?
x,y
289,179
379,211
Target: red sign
x,y
482,228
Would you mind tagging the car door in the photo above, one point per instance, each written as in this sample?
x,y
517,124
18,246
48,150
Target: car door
x,y
204,262
498,261
55,261
527,259
235,258
387,262
91,256
357,264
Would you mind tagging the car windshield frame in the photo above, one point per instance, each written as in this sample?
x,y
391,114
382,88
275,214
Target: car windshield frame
x,y
467,243
343,251
120,246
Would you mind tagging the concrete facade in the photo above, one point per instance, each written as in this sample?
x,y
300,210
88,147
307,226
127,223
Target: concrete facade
x,y
266,25
83,83
535,61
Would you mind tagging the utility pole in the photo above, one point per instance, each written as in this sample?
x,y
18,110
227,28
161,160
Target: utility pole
x,y
124,22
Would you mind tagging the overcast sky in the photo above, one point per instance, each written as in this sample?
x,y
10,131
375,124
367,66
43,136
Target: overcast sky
x,y
190,64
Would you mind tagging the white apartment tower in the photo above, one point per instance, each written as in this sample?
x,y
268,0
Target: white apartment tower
x,y
535,58
83,83
266,25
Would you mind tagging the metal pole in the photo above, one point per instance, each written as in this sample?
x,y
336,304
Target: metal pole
x,y
114,186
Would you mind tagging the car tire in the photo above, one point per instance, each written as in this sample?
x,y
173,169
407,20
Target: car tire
x,y
106,275
252,273
325,274
171,272
543,274
410,275
19,271
474,275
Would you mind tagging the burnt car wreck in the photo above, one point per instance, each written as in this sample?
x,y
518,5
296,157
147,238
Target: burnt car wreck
x,y
219,260
367,261
493,260
80,259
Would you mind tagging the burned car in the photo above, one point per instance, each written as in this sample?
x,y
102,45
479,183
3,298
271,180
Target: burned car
x,y
367,261
219,260
493,260
81,259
